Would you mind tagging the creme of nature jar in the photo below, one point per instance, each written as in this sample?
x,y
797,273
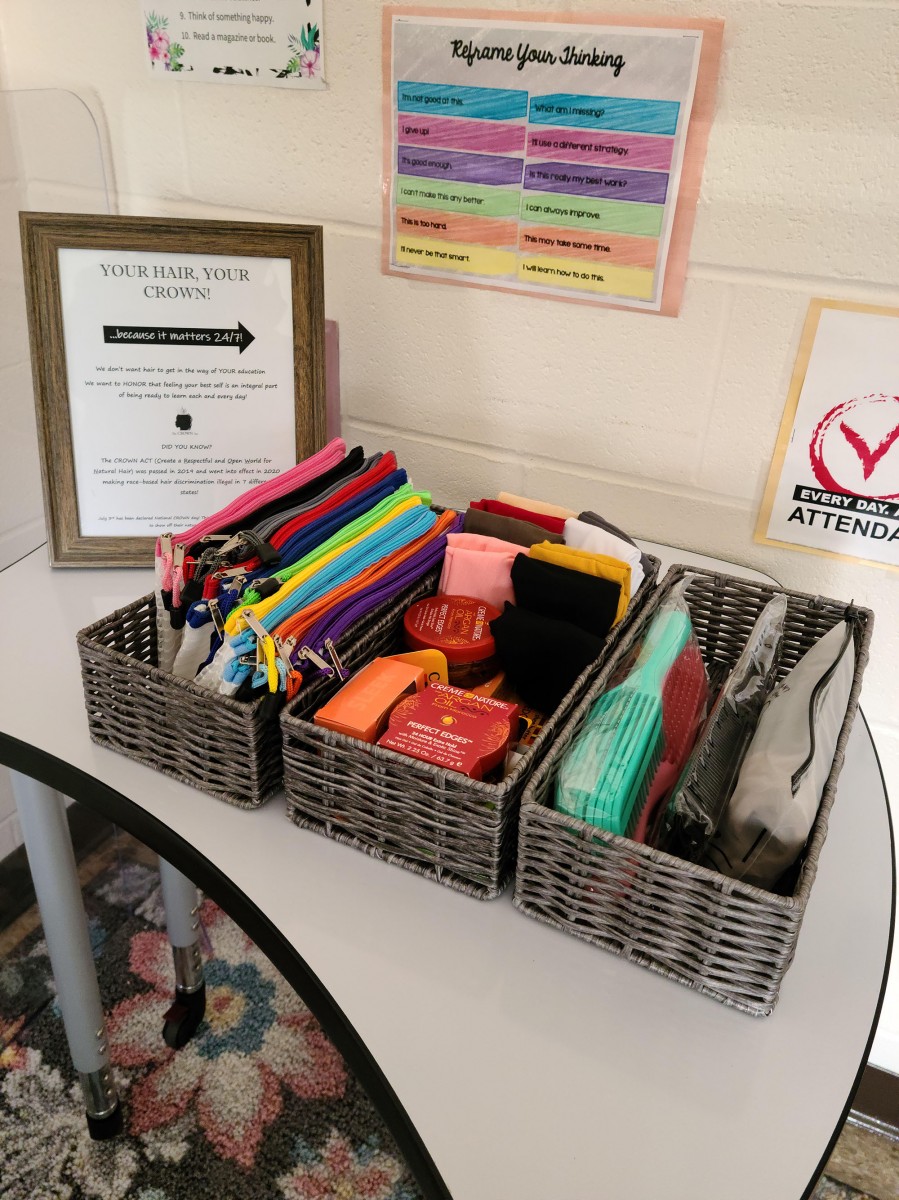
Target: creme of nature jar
x,y
459,626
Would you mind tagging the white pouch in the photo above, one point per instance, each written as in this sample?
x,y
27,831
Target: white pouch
x,y
582,536
779,788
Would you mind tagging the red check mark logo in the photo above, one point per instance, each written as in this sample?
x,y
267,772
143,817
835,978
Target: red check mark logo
x,y
869,458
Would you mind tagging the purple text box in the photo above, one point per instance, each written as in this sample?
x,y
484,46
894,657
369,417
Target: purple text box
x,y
597,146
607,183
489,137
461,168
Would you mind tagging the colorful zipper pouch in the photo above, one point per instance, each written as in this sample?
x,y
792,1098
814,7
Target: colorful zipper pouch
x,y
598,565
582,536
507,529
537,506
480,567
549,590
553,524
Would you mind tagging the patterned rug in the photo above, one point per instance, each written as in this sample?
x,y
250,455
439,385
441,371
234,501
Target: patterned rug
x,y
258,1104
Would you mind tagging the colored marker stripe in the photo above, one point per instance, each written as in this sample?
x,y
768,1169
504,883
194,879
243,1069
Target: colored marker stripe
x,y
454,227
490,104
592,247
470,198
461,168
647,187
487,137
623,149
454,256
605,112
560,272
642,220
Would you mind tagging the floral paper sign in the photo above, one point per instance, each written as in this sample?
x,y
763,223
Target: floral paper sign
x,y
276,43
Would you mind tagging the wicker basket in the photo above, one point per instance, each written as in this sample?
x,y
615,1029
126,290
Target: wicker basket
x,y
228,748
725,938
452,829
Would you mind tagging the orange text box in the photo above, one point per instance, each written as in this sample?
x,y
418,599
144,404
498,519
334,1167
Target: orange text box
x,y
592,247
456,227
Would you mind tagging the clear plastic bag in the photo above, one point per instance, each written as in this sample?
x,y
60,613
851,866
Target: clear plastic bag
x,y
710,775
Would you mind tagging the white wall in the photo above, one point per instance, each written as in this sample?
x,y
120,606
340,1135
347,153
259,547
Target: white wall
x,y
667,425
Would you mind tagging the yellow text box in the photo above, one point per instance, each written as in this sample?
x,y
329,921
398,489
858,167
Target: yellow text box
x,y
587,276
454,256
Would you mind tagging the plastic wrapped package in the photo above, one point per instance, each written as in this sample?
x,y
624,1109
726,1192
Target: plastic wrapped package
x,y
605,777
768,819
711,771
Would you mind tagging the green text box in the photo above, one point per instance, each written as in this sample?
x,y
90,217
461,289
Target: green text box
x,y
476,199
619,216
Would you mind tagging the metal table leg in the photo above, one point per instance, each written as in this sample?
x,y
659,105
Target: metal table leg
x,y
52,863
182,905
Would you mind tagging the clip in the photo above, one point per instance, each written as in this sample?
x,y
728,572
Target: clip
x,y
215,613
165,544
178,555
285,647
230,543
255,624
309,654
335,659
215,537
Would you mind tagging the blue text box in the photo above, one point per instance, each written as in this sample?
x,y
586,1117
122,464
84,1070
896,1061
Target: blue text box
x,y
606,112
490,104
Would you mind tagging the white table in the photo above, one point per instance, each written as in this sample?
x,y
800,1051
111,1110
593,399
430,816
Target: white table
x,y
533,1066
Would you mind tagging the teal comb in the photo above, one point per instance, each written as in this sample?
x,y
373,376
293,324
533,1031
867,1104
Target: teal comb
x,y
604,779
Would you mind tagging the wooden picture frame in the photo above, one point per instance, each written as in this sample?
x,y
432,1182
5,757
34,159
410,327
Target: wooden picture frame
x,y
45,235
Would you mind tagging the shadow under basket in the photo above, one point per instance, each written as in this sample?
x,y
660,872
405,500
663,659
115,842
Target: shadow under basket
x,y
438,823
725,938
230,749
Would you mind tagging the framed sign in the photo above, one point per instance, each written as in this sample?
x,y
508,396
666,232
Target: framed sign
x,y
833,488
176,363
548,154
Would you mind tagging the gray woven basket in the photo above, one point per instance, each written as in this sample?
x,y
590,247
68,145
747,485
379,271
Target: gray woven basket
x,y
457,831
230,749
725,938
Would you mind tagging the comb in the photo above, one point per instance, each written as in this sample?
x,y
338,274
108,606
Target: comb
x,y
685,696
604,779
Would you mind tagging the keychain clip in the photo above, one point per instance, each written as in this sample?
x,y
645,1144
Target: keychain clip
x,y
285,648
335,658
215,613
310,655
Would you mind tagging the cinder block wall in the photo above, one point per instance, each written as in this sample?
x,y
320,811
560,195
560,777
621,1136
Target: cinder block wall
x,y
666,425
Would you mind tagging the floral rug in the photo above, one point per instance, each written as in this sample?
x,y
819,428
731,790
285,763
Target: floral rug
x,y
258,1104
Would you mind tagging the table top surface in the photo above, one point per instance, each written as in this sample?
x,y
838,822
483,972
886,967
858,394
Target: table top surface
x,y
533,1065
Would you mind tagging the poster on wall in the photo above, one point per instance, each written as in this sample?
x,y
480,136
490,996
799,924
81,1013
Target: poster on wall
x,y
276,43
544,153
833,488
176,364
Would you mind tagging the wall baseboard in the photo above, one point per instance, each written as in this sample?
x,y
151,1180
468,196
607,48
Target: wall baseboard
x,y
876,1104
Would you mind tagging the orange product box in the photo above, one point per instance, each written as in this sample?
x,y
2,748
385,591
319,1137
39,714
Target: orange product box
x,y
453,728
361,707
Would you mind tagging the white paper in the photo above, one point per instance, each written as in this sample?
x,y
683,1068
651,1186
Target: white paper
x,y
171,418
838,489
542,158
276,43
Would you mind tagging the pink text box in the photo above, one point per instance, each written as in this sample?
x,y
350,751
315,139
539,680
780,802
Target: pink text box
x,y
604,149
491,137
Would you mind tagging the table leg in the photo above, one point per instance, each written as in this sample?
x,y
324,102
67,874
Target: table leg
x,y
182,905
52,864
